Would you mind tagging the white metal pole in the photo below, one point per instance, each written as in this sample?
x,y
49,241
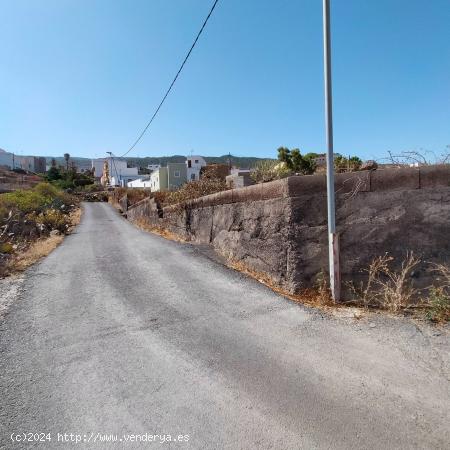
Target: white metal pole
x,y
333,242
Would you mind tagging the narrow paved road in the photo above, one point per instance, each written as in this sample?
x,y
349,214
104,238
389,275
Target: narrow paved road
x,y
122,332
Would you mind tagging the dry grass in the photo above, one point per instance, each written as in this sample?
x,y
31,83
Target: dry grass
x,y
157,229
193,190
136,195
397,290
318,297
75,218
38,249
386,287
34,253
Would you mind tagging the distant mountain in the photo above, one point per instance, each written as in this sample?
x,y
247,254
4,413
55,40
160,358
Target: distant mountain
x,y
61,161
238,161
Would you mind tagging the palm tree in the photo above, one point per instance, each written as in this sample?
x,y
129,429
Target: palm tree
x,y
67,157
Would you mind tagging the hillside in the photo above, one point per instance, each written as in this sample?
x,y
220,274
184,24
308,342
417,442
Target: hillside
x,y
11,181
238,161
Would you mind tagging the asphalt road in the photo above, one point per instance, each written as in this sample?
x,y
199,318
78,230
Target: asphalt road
x,y
120,332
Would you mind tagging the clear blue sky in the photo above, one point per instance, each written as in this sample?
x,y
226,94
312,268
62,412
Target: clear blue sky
x,y
84,76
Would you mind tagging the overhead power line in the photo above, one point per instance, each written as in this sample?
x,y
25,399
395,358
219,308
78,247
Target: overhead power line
x,y
173,81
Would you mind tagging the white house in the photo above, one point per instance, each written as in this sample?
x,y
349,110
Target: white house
x,y
143,182
194,164
158,180
119,173
153,167
122,180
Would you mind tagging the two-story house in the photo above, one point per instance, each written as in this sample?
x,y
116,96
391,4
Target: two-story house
x,y
193,165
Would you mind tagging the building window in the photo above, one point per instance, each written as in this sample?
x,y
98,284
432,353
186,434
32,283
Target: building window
x,y
176,174
192,176
196,161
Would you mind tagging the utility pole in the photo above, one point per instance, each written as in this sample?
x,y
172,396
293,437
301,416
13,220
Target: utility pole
x,y
333,239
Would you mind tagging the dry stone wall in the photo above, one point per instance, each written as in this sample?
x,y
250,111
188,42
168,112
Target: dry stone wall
x,y
280,228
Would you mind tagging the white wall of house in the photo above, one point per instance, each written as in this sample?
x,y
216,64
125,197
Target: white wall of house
x,y
194,164
122,180
119,173
140,183
158,180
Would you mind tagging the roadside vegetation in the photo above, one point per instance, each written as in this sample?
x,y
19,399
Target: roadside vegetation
x,y
29,216
211,183
391,287
292,162
134,195
82,185
67,177
385,289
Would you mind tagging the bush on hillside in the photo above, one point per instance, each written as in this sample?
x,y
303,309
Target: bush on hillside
x,y
269,170
30,213
39,198
192,190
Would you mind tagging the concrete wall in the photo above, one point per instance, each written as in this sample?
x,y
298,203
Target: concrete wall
x,y
280,228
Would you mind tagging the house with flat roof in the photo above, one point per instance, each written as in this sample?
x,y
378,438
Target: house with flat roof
x,y
142,183
194,165
158,180
119,172
168,178
153,167
176,175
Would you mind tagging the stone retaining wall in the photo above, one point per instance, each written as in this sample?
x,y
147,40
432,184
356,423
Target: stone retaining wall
x,y
280,228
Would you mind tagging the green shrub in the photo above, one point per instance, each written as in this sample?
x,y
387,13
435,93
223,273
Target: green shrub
x,y
47,190
64,184
24,201
269,170
439,305
41,197
42,204
296,162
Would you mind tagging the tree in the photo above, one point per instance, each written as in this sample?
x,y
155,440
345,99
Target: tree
x,y
343,164
284,155
67,157
53,174
295,161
